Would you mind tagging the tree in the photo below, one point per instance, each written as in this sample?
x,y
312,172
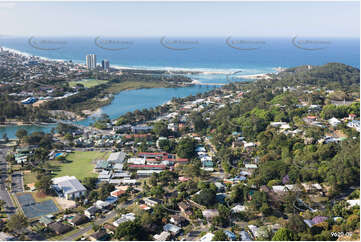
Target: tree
x,y
185,148
206,197
219,235
131,230
283,234
90,182
17,222
161,129
296,224
44,183
21,133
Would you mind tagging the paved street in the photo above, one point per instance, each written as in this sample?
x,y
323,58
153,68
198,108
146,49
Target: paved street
x,y
4,194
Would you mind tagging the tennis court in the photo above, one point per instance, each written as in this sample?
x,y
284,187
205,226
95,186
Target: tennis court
x,y
33,209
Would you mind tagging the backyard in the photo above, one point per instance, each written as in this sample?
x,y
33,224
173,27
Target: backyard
x,y
79,164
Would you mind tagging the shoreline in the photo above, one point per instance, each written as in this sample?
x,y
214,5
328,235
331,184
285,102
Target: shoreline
x,y
89,113
256,76
198,70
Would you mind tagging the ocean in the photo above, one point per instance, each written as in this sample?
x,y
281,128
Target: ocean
x,y
214,57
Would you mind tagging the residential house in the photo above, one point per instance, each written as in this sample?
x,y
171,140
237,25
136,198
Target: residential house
x,y
355,124
207,237
353,203
59,227
79,219
45,220
334,121
100,235
91,211
185,208
231,236
220,187
124,218
164,236
173,229
6,237
238,208
245,236
117,193
178,220
141,129
152,201
102,205
210,213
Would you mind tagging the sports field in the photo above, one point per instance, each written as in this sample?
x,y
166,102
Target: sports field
x,y
80,164
88,82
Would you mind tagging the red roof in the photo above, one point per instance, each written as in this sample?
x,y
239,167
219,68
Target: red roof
x,y
178,160
147,166
117,193
149,153
129,136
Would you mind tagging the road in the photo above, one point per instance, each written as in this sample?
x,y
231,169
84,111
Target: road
x,y
4,194
99,221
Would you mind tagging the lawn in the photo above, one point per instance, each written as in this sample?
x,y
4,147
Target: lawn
x,y
29,177
88,82
80,164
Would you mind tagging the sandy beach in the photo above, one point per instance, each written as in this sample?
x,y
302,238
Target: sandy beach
x,y
256,76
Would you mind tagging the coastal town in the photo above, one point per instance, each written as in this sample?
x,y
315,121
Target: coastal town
x,y
57,89
274,158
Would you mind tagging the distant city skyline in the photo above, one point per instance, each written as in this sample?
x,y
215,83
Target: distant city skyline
x,y
181,19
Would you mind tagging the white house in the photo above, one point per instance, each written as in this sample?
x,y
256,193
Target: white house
x,y
136,161
164,236
173,229
124,218
207,237
238,208
334,121
354,202
69,186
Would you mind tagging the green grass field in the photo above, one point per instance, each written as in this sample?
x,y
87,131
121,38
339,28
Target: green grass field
x,y
80,164
88,82
29,177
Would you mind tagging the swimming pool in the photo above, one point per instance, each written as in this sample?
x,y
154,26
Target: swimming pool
x,y
58,154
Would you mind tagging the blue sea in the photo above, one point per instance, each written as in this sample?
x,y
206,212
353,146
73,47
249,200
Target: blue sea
x,y
214,57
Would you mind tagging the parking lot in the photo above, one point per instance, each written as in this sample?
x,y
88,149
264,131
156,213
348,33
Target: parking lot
x,y
4,194
17,182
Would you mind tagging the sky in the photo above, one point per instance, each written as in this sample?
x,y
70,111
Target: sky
x,y
200,19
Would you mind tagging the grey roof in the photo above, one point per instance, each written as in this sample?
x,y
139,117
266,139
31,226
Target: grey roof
x,y
118,166
45,220
117,157
68,184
